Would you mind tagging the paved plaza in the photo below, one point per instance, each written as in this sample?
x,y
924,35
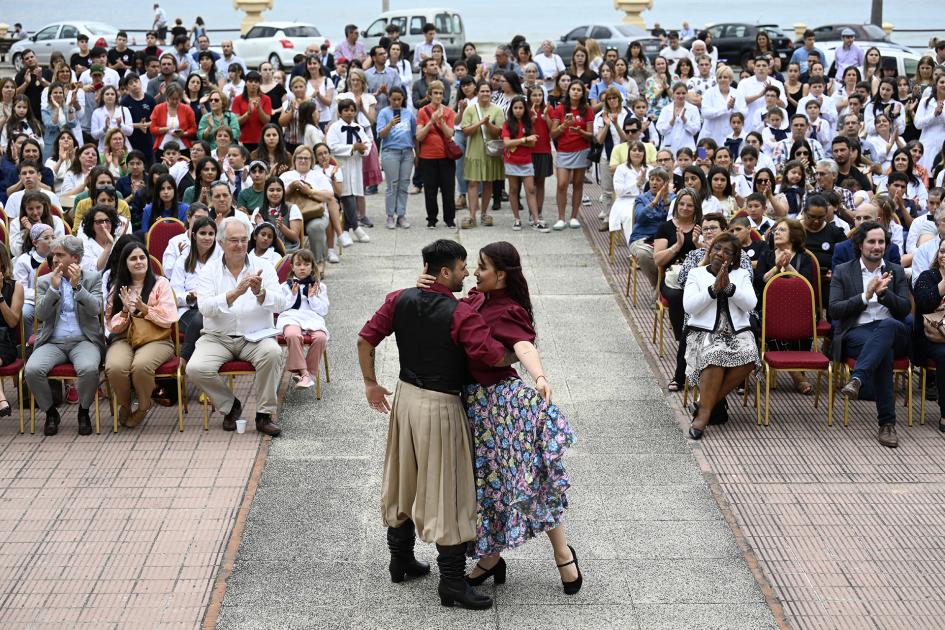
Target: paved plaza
x,y
795,524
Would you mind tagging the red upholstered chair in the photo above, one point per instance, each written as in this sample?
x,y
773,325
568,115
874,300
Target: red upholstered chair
x,y
14,369
824,327
162,231
788,314
231,369
284,268
156,266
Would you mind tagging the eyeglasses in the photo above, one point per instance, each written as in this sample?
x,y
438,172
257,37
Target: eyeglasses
x,y
303,158
763,181
215,100
820,174
802,153
237,241
665,159
816,218
102,221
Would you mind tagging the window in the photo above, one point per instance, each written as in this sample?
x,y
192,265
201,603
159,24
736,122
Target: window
x,y
416,25
261,32
628,30
47,33
716,31
600,32
254,32
576,33
401,23
736,30
444,25
301,31
377,28
69,32
457,24
911,65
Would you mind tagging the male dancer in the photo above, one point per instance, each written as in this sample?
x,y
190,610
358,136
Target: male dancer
x,y
428,471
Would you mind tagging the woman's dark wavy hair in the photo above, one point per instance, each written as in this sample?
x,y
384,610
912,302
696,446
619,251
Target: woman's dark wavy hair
x,y
505,258
526,118
122,276
88,221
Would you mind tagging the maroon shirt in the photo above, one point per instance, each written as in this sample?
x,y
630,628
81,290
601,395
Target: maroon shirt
x,y
468,329
510,324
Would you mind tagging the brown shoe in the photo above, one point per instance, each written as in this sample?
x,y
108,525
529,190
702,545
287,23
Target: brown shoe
x,y
887,436
852,389
229,420
137,417
123,414
264,424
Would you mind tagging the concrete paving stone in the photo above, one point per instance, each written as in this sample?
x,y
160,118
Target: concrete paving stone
x,y
691,502
573,615
674,539
265,616
287,584
710,581
316,473
428,615
745,616
538,582
635,470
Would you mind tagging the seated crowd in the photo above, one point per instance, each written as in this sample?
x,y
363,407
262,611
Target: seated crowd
x,y
798,167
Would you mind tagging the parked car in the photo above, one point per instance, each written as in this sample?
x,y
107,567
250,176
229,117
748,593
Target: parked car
x,y
906,60
60,37
864,33
736,41
449,28
617,35
276,42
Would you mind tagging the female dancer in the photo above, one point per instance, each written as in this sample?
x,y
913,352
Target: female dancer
x,y
520,482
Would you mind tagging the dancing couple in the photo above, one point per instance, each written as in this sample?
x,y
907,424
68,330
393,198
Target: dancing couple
x,y
431,488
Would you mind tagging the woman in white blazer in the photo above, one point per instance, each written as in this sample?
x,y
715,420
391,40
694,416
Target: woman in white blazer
x,y
679,122
718,104
720,345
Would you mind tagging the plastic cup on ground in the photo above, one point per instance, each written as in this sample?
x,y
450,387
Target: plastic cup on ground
x,y
241,426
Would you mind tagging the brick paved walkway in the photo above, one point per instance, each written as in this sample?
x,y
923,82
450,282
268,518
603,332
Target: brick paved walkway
x,y
847,532
114,530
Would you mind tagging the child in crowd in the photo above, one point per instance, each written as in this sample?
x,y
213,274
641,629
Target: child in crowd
x,y
773,131
772,99
820,130
755,205
833,210
736,139
349,143
743,181
235,169
251,197
36,248
309,118
307,298
179,245
741,228
285,217
264,246
828,109
35,207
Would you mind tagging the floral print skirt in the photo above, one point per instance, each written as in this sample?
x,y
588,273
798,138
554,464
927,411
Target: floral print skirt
x,y
518,446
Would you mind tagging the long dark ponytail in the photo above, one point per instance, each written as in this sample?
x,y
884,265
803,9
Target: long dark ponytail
x,y
505,258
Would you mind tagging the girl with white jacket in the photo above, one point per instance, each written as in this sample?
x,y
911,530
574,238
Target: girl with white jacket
x,y
307,298
629,181
679,122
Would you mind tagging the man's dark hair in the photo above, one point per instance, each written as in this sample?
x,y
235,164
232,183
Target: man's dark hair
x,y
809,33
374,50
840,140
392,28
350,28
98,51
859,235
429,27
33,164
82,37
817,201
121,34
816,80
442,253
180,39
897,176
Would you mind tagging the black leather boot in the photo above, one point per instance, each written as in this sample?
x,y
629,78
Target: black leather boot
x,y
453,588
403,564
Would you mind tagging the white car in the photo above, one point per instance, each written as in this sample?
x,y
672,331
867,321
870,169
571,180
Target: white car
x,y
60,37
906,59
276,42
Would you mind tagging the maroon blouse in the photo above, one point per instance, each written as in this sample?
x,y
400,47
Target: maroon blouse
x,y
509,323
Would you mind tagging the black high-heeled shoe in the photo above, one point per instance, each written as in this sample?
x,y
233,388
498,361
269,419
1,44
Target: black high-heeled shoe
x,y
6,410
570,588
694,433
497,572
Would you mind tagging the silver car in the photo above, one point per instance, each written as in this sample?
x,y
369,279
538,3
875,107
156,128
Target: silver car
x,y
617,36
60,37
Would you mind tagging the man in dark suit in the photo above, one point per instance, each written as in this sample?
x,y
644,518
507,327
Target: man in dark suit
x,y
870,298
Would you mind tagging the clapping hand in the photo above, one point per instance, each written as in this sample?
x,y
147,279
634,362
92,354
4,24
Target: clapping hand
x,y
313,289
295,288
883,284
74,272
128,299
783,259
56,278
255,282
721,278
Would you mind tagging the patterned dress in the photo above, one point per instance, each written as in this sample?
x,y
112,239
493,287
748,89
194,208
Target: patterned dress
x,y
518,441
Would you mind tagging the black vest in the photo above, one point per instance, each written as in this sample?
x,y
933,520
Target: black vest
x,y
428,357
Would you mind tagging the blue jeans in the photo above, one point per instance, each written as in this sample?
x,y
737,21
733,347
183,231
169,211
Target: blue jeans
x,y
461,185
874,346
396,164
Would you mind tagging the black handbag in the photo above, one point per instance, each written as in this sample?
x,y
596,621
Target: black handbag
x,y
596,150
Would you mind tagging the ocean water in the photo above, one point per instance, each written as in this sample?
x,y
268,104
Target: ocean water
x,y
496,21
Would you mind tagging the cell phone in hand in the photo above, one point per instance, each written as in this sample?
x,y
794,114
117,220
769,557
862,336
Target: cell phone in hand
x,y
701,153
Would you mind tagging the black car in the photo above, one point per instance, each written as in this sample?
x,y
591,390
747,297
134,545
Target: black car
x,y
864,33
736,41
617,35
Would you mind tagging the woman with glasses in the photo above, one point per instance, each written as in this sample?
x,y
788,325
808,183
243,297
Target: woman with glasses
x,y
219,115
764,183
100,228
607,81
36,249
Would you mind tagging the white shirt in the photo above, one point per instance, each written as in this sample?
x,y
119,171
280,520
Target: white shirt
x,y
246,314
424,49
110,77
173,251
923,257
673,56
922,224
13,205
550,66
874,311
183,281
751,87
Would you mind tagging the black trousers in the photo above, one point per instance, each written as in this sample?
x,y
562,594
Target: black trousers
x,y
439,175
190,323
676,317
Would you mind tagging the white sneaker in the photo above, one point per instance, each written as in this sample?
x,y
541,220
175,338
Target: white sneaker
x,y
346,240
559,225
333,256
361,236
585,200
575,223
602,215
